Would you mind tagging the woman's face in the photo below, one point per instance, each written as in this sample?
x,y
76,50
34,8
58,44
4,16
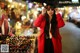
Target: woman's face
x,y
50,12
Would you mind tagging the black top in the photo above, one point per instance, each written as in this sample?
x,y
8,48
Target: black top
x,y
0,30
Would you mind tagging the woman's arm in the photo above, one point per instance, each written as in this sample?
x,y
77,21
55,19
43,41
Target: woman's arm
x,y
60,21
38,21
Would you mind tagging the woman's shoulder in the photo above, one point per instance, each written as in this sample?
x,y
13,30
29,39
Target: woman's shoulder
x,y
41,15
58,14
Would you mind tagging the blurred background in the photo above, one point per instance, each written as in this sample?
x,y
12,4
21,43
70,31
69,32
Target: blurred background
x,y
21,15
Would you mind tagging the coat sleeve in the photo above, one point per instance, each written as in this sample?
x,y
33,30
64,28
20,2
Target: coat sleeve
x,y
38,21
60,21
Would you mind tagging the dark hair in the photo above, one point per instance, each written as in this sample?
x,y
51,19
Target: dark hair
x,y
53,25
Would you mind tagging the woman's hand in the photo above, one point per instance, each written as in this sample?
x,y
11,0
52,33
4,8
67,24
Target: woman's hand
x,y
43,10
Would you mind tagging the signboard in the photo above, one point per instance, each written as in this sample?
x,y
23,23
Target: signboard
x,y
75,1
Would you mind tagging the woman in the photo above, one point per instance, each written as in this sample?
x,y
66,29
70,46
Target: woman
x,y
49,40
4,25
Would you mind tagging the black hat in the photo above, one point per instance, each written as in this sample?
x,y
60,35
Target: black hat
x,y
52,4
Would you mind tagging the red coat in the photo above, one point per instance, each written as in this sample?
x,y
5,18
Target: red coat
x,y
40,22
6,25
